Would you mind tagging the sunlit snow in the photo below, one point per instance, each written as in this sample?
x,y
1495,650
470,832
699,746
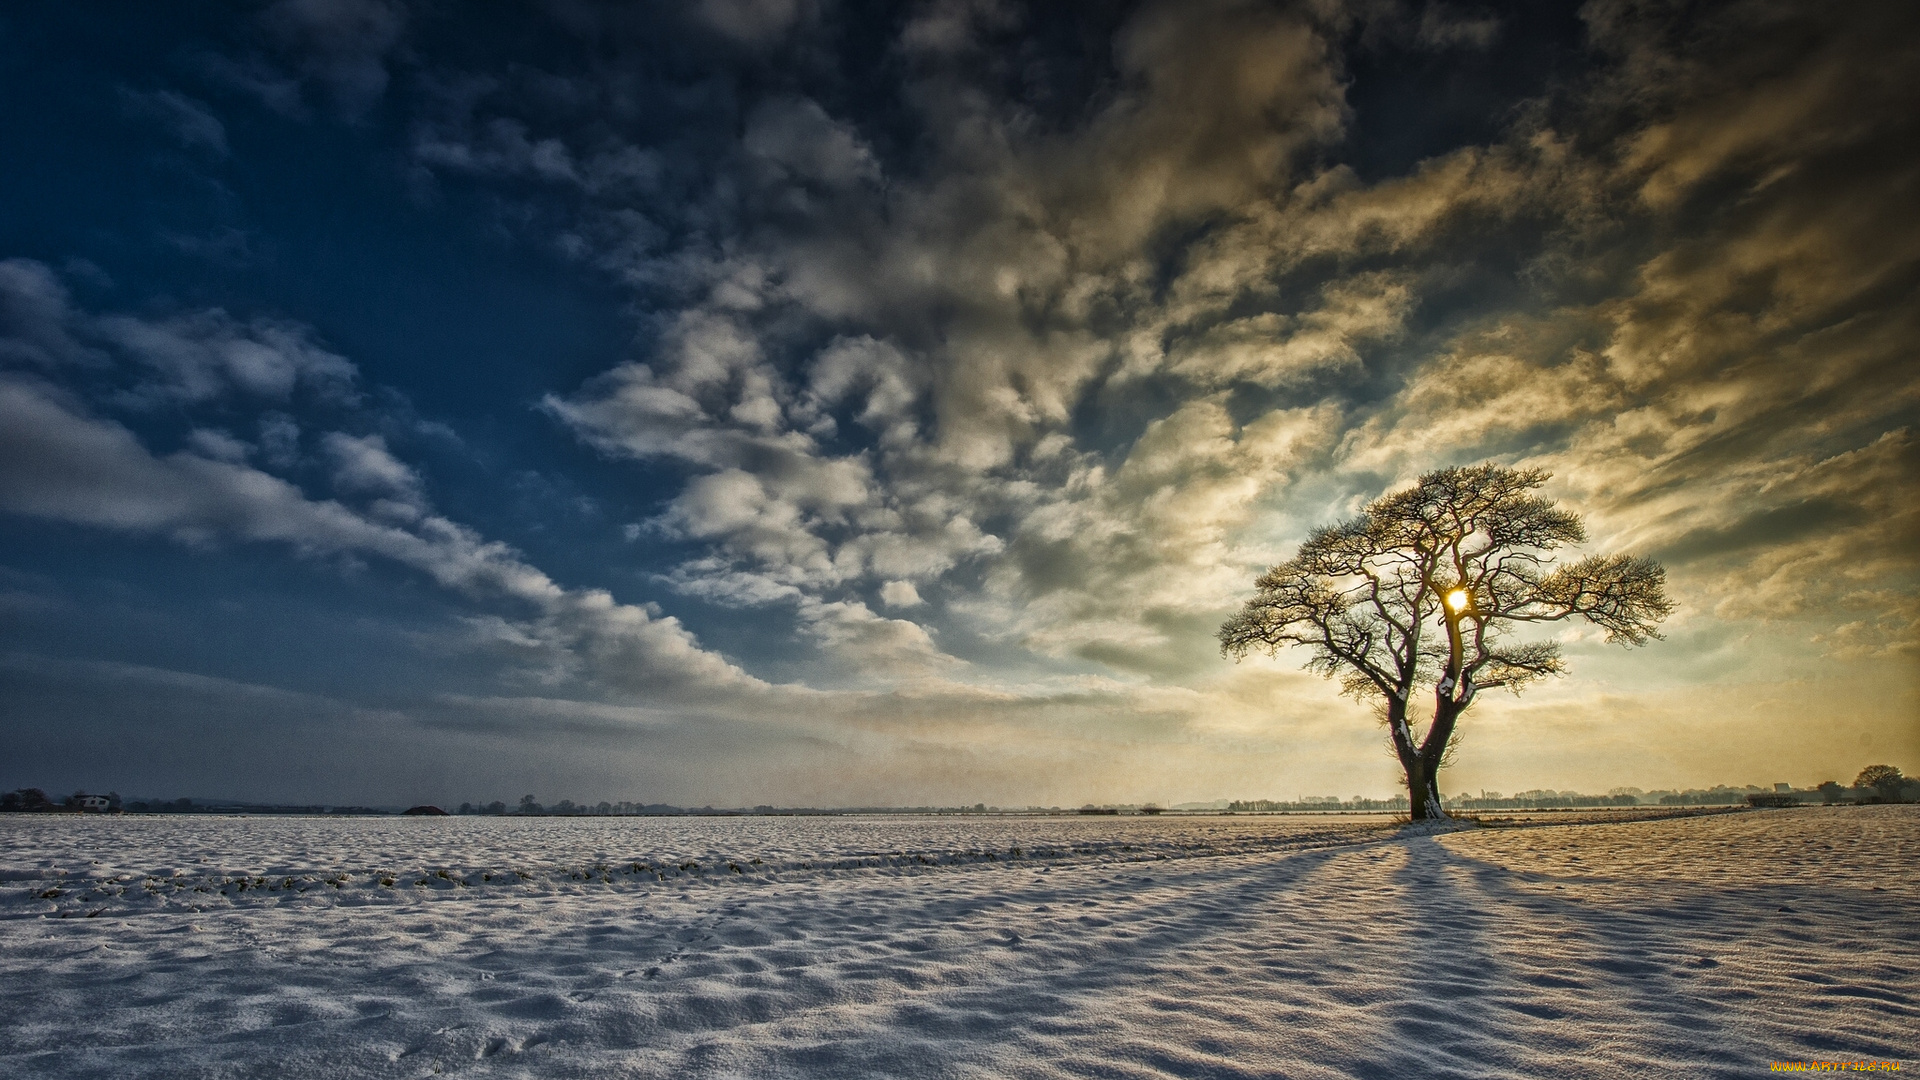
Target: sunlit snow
x,y
1215,946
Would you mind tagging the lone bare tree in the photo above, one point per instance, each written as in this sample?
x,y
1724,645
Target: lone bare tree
x,y
1467,551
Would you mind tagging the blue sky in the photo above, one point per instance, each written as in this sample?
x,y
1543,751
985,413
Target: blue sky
x,y
807,402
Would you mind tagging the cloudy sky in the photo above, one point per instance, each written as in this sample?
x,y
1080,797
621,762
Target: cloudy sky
x,y
823,402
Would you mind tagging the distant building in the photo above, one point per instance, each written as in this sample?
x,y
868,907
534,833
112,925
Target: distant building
x,y
1783,789
93,803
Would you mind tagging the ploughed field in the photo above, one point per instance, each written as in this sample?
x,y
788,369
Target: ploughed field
x,y
1206,946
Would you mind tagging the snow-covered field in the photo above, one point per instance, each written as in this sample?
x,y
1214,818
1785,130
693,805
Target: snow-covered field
x,y
976,947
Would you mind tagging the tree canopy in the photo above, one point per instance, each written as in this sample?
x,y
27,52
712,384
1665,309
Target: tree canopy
x,y
1885,780
1426,586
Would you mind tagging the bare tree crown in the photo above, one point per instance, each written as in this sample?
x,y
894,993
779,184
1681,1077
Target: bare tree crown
x,y
1426,585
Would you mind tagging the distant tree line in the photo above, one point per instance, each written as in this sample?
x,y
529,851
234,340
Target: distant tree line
x,y
1358,802
1875,784
528,806
34,800
1542,799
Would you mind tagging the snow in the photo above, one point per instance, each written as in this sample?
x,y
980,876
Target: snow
x,y
1207,946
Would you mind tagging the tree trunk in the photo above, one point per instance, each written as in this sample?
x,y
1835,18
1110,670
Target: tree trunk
x,y
1423,797
1423,792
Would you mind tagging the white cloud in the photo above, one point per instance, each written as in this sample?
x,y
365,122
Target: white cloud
x,y
36,317
58,463
900,594
194,356
209,353
873,647
218,445
1271,349
363,465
